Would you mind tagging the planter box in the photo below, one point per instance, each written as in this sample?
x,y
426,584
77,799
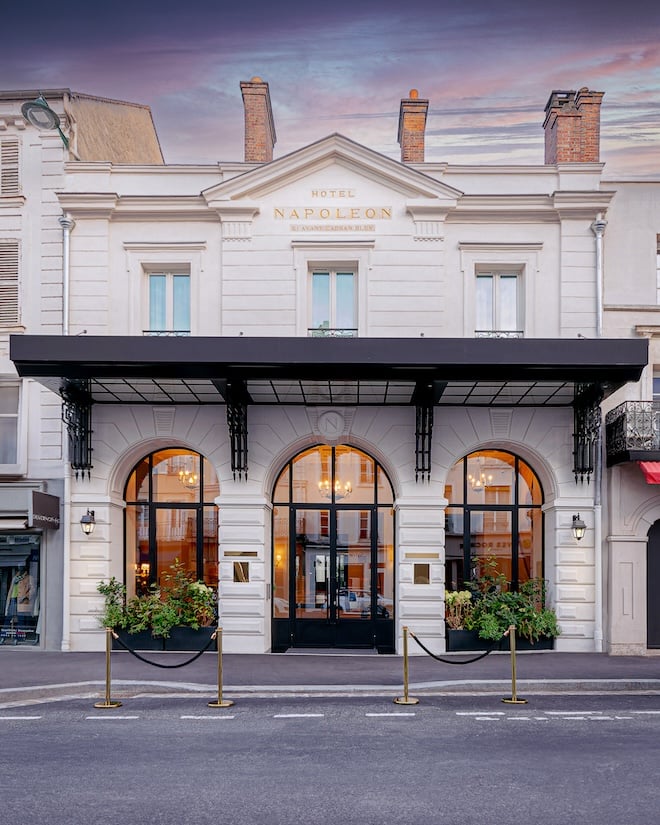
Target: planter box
x,y
180,639
468,640
458,640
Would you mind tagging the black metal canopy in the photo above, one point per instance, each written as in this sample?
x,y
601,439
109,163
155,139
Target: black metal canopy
x,y
322,371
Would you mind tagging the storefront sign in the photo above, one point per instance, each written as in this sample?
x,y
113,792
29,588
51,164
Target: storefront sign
x,y
44,511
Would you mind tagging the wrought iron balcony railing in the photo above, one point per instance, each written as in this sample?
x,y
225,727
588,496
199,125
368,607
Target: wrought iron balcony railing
x,y
632,431
499,333
327,332
166,332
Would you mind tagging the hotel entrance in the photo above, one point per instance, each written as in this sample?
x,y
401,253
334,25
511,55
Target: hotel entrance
x,y
333,559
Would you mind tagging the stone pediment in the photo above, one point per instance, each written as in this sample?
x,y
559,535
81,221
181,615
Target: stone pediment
x,y
338,152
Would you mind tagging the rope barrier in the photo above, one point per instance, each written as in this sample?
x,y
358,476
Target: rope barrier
x,y
159,664
453,661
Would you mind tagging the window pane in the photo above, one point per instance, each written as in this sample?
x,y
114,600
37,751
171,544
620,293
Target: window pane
x,y
310,469
176,476
176,540
385,571
490,478
320,300
281,562
181,303
8,441
530,544
157,303
137,550
508,302
490,543
210,547
345,311
484,307
8,400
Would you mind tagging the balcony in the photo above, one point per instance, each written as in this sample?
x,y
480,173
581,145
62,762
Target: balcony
x,y
166,332
632,432
498,333
327,332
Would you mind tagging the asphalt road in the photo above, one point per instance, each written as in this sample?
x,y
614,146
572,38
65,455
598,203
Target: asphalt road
x,y
459,760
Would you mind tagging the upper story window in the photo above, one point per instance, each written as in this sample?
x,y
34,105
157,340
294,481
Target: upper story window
x,y
169,303
8,283
9,407
498,305
333,310
9,182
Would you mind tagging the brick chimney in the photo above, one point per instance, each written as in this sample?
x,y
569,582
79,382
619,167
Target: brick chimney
x,y
412,124
259,126
572,126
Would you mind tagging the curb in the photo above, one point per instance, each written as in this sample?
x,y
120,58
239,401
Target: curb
x,y
123,688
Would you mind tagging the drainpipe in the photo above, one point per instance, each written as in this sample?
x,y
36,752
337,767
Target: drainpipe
x,y
598,228
67,225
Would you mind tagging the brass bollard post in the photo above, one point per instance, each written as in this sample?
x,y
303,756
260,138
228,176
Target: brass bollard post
x,y
513,699
405,699
220,702
109,703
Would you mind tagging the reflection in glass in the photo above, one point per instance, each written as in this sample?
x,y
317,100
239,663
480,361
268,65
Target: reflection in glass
x,y
281,562
167,519
494,514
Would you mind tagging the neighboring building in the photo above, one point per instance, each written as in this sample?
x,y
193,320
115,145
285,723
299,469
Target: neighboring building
x,y
334,382
32,459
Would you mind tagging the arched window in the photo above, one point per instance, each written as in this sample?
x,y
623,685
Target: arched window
x,y
333,551
170,515
494,513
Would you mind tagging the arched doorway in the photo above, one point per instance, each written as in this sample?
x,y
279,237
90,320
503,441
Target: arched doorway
x,y
494,516
653,587
333,552
171,515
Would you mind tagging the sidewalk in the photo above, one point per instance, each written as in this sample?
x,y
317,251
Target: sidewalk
x,y
28,675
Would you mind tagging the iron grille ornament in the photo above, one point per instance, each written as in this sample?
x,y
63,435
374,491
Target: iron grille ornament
x,y
423,438
587,420
77,416
236,397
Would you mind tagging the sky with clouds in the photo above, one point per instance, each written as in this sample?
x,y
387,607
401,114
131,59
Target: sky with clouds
x,y
486,67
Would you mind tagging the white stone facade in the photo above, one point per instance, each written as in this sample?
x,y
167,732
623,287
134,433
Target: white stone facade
x,y
416,236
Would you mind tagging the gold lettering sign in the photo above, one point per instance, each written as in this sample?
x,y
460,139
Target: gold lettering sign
x,y
332,213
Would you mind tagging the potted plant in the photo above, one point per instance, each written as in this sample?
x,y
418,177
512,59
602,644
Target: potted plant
x,y
178,614
494,607
460,635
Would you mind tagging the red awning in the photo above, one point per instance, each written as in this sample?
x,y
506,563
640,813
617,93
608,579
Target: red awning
x,y
651,470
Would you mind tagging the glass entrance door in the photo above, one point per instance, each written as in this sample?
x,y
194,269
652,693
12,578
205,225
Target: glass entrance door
x,y
336,603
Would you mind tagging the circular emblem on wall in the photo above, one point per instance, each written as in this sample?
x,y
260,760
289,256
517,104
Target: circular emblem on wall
x,y
331,424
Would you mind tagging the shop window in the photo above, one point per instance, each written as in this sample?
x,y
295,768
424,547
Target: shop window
x,y
169,303
19,589
494,519
333,310
498,305
9,180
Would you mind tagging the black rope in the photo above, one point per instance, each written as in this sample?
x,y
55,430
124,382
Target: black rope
x,y
453,661
158,664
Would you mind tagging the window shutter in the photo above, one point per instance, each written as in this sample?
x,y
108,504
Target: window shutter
x,y
8,283
9,167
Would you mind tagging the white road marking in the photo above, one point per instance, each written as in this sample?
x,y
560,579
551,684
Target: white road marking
x,y
298,715
389,714
112,718
207,717
19,718
581,713
479,713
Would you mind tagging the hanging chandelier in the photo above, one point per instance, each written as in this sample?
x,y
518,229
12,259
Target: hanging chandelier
x,y
480,481
341,491
188,478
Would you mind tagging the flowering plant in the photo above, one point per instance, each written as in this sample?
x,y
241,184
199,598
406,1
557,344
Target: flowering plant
x,y
458,608
179,600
